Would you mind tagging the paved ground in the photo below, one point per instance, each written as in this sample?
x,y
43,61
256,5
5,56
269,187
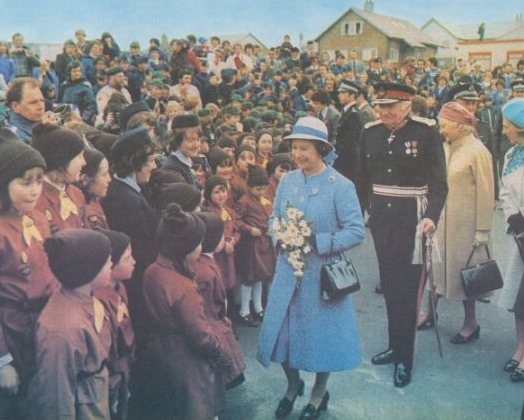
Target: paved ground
x,y
468,383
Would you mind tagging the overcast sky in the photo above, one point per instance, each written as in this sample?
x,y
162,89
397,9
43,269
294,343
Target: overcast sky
x,y
56,20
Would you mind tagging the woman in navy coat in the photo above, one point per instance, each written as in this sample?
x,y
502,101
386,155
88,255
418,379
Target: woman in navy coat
x,y
300,330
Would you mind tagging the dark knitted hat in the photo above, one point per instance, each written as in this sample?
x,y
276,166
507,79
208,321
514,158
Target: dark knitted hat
x,y
101,141
186,196
130,110
257,177
179,233
185,120
130,142
119,243
16,157
216,156
245,148
214,230
76,256
211,183
58,145
280,159
111,71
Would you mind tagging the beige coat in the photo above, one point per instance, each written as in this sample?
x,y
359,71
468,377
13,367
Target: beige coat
x,y
469,208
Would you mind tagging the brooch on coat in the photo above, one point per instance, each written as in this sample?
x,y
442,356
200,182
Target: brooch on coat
x,y
411,147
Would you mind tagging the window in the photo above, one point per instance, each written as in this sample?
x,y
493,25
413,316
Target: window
x,y
351,28
393,54
514,56
369,53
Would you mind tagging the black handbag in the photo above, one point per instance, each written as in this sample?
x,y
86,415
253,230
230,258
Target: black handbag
x,y
519,239
338,278
481,278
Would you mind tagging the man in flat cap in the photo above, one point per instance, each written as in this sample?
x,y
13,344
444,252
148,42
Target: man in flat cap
x,y
116,84
404,174
348,133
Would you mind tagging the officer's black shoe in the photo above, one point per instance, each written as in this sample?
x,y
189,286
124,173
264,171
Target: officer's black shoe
x,y
383,358
402,375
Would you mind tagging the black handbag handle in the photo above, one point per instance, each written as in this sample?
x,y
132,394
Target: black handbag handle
x,y
473,251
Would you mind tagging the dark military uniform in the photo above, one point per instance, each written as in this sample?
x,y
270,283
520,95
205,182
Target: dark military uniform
x,y
405,173
347,147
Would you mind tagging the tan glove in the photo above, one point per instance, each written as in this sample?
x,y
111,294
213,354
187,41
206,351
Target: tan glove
x,y
481,238
9,380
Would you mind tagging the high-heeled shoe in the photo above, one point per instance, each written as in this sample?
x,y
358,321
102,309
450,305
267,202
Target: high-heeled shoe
x,y
311,412
517,375
460,339
285,406
510,365
428,323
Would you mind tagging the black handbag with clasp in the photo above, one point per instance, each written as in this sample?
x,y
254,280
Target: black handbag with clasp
x,y
481,278
338,278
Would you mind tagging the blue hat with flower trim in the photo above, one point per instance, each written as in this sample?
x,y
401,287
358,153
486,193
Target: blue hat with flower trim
x,y
513,111
310,128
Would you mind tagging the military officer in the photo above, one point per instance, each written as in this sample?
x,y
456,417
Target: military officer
x,y
404,170
348,133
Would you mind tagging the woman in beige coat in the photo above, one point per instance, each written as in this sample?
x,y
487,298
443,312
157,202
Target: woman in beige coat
x,y
465,223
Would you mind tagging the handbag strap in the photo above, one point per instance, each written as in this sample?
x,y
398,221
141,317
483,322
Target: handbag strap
x,y
473,251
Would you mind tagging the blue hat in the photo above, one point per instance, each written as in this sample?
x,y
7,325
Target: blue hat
x,y
309,128
513,111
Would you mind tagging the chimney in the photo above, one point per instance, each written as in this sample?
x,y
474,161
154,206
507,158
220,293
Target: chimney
x,y
369,6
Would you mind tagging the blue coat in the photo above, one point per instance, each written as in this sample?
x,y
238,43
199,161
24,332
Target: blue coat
x,y
299,327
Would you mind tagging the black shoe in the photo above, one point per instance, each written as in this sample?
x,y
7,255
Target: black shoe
x,y
310,412
484,300
378,289
510,365
383,358
460,339
285,406
402,375
517,375
427,324
249,320
260,315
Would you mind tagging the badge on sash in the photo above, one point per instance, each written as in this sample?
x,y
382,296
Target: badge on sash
x,y
100,314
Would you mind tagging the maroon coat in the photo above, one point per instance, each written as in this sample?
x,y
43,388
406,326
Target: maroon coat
x,y
182,350
95,216
26,282
211,286
115,300
238,188
72,380
49,205
255,255
271,188
226,261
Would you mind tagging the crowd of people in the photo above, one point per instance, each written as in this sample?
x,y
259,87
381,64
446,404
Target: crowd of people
x,y
141,193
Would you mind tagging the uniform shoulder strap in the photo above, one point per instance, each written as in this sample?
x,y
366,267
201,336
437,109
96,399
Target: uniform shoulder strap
x,y
427,121
373,123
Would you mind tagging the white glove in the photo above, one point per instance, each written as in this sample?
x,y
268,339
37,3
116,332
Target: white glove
x,y
481,238
9,379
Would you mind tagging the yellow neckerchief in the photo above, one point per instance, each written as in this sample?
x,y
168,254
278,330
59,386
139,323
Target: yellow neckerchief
x,y
224,215
122,311
100,314
67,206
29,230
264,201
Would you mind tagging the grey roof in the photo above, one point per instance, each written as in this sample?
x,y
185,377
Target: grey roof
x,y
391,27
242,38
492,30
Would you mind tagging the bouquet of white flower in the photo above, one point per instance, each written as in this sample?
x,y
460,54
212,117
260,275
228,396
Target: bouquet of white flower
x,y
293,237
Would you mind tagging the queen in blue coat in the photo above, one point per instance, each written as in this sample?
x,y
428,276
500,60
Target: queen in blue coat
x,y
301,330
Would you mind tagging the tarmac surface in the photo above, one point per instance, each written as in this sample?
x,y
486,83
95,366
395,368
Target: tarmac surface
x,y
467,383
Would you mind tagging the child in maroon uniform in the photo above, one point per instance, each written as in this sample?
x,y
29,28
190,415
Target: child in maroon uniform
x,y
211,286
26,282
115,301
184,353
61,202
216,199
246,156
73,335
255,254
94,182
279,165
